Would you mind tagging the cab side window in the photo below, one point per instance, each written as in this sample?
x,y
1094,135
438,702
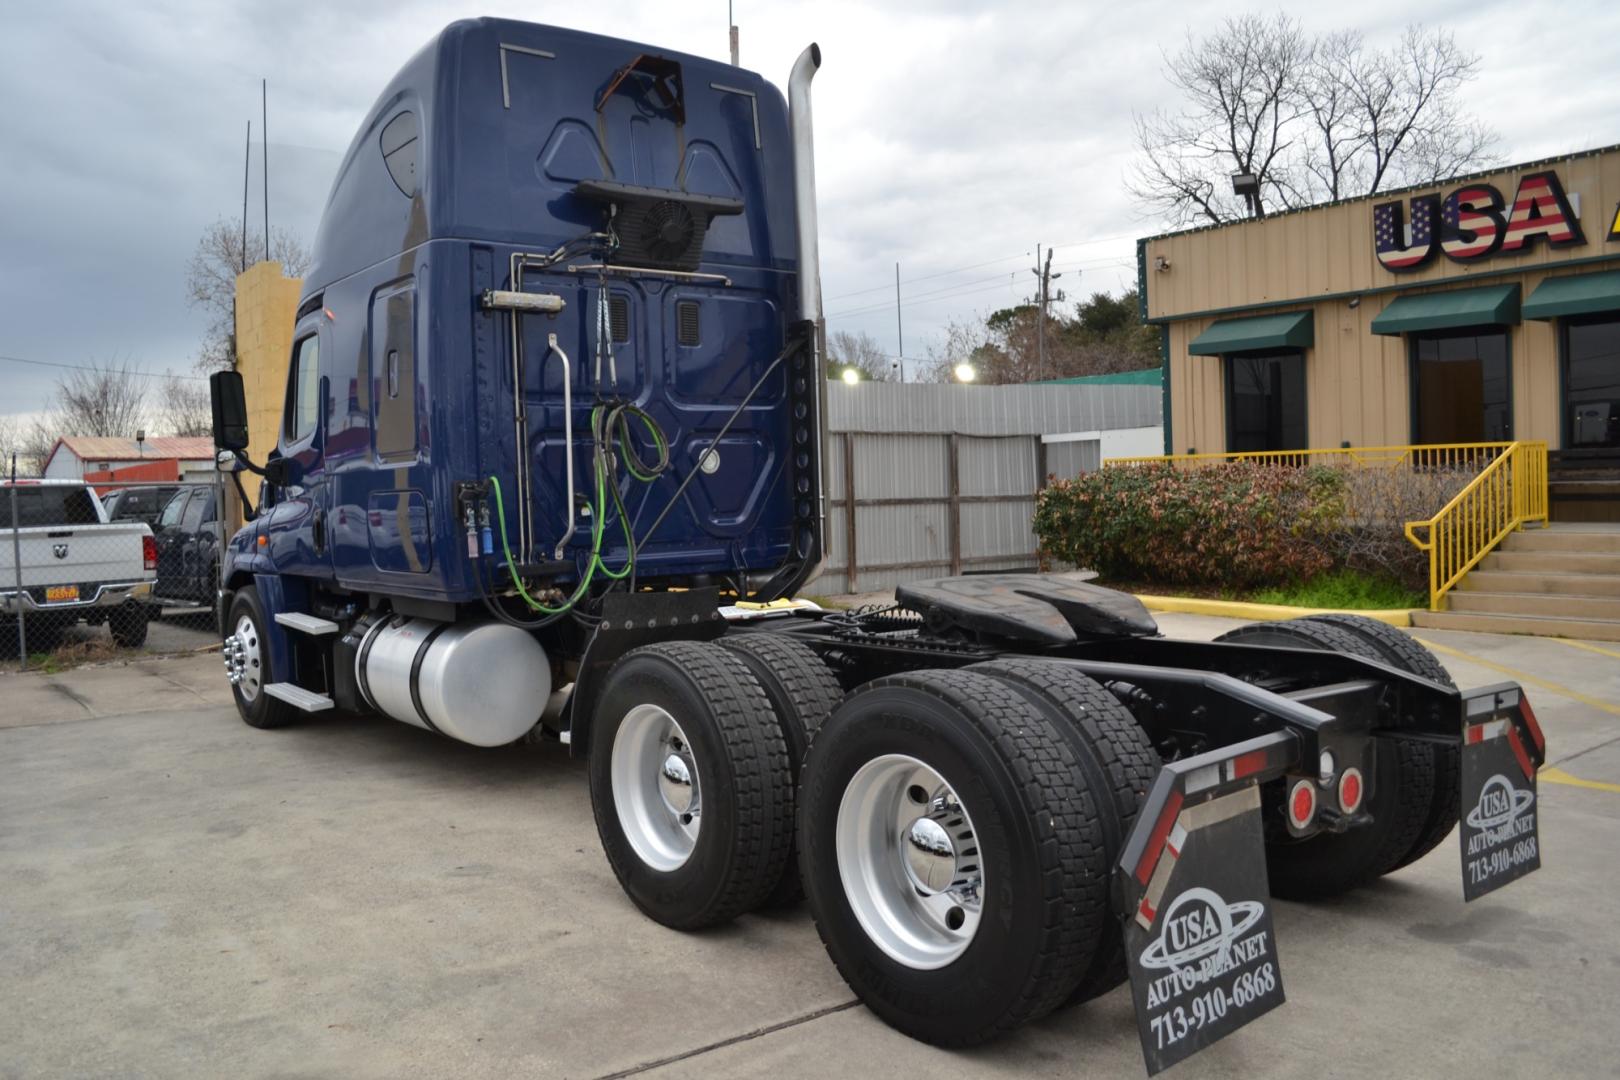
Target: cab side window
x,y
173,509
304,407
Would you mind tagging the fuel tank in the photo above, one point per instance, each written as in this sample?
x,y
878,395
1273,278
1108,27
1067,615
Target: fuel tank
x,y
482,683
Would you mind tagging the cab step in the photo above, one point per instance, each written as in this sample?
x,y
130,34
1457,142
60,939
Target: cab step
x,y
309,624
298,697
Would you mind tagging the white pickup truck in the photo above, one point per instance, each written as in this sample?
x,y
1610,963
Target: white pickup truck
x,y
75,564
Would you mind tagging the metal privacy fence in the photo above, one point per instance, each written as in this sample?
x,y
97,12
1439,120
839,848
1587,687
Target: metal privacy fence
x,y
85,569
929,480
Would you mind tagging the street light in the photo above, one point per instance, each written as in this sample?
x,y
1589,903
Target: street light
x,y
965,372
851,375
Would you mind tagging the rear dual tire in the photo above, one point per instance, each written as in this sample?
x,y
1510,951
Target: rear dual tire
x,y
953,854
690,782
1414,801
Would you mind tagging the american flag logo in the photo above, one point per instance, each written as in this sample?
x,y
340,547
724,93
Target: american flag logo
x,y
1540,208
1395,251
1471,222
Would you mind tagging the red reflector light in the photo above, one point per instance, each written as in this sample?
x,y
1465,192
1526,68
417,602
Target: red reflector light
x,y
1302,803
1351,789
149,552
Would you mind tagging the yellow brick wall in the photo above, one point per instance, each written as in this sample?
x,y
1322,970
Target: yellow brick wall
x,y
266,304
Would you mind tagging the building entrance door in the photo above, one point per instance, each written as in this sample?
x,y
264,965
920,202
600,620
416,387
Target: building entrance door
x,y
1461,387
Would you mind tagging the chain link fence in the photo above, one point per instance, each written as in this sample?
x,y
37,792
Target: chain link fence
x,y
96,571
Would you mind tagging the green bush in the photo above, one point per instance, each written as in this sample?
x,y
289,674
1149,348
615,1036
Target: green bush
x,y
1240,525
1244,525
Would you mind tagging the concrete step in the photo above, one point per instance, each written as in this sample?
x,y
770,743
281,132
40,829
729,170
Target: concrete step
x,y
1539,604
1552,562
1584,629
297,696
1565,539
1521,581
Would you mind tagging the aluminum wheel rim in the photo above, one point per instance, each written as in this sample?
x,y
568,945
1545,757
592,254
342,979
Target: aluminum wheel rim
x,y
921,905
657,793
242,659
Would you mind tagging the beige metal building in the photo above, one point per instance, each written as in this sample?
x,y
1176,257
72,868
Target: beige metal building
x,y
1485,308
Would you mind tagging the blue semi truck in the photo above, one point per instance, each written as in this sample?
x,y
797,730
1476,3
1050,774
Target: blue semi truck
x,y
553,442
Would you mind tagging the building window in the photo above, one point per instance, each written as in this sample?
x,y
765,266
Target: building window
x,y
1592,383
1265,401
1461,389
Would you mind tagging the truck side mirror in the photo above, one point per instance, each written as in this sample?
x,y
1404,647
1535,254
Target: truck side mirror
x,y
283,472
230,410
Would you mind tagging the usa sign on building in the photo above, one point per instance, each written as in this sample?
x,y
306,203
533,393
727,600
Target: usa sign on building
x,y
1475,222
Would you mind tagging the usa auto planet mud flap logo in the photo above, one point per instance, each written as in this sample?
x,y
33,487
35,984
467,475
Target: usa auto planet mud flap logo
x,y
1498,832
1201,947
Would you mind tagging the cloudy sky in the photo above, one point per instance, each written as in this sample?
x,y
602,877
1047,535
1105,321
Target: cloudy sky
x,y
952,137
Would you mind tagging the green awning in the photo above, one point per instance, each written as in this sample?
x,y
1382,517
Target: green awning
x,y
1294,330
1579,295
1492,305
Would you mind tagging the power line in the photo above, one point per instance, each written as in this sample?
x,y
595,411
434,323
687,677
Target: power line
x,y
85,367
930,277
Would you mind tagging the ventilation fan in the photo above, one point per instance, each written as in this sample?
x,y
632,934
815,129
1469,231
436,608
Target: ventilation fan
x,y
660,228
667,232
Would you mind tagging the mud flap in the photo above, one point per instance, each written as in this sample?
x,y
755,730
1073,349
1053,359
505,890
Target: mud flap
x,y
1502,747
1193,893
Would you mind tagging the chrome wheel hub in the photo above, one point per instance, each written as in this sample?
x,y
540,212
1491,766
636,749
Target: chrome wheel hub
x,y
243,665
909,861
657,793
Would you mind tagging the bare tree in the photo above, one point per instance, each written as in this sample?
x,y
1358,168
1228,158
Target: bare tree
x,y
184,407
11,442
862,352
1245,93
211,281
1311,118
100,399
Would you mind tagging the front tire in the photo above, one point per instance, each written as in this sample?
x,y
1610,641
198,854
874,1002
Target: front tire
x,y
247,661
949,867
690,784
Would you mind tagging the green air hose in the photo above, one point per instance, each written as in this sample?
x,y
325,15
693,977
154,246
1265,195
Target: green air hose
x,y
606,434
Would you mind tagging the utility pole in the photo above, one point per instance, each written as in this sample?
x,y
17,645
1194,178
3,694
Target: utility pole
x,y
899,327
1043,273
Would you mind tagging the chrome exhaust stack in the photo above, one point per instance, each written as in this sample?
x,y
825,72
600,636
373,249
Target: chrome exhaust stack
x,y
804,202
804,185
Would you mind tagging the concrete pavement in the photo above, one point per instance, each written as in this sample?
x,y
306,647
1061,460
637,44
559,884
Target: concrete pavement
x,y
181,895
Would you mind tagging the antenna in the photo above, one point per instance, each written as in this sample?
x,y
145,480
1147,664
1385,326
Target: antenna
x,y
247,157
264,136
731,20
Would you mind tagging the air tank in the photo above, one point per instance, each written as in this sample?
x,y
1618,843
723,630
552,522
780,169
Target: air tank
x,y
483,683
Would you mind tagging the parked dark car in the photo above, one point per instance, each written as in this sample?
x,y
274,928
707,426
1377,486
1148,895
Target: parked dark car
x,y
143,504
187,534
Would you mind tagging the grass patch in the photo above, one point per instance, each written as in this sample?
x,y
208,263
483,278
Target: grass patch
x,y
1344,589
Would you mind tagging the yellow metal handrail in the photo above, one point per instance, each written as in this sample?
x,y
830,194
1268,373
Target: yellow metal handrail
x,y
1509,491
1427,456
1507,494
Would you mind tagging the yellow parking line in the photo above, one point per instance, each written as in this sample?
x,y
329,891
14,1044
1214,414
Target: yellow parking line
x,y
1588,648
1559,776
1525,677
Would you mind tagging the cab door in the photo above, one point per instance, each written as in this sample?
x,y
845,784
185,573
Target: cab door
x,y
296,529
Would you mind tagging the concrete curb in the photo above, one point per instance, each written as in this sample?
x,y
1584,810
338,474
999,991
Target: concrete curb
x,y
1237,609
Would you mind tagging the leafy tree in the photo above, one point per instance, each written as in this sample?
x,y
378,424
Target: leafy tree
x,y
1311,117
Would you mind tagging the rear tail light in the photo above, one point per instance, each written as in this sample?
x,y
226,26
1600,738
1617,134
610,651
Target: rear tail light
x,y
149,552
1351,790
1302,804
